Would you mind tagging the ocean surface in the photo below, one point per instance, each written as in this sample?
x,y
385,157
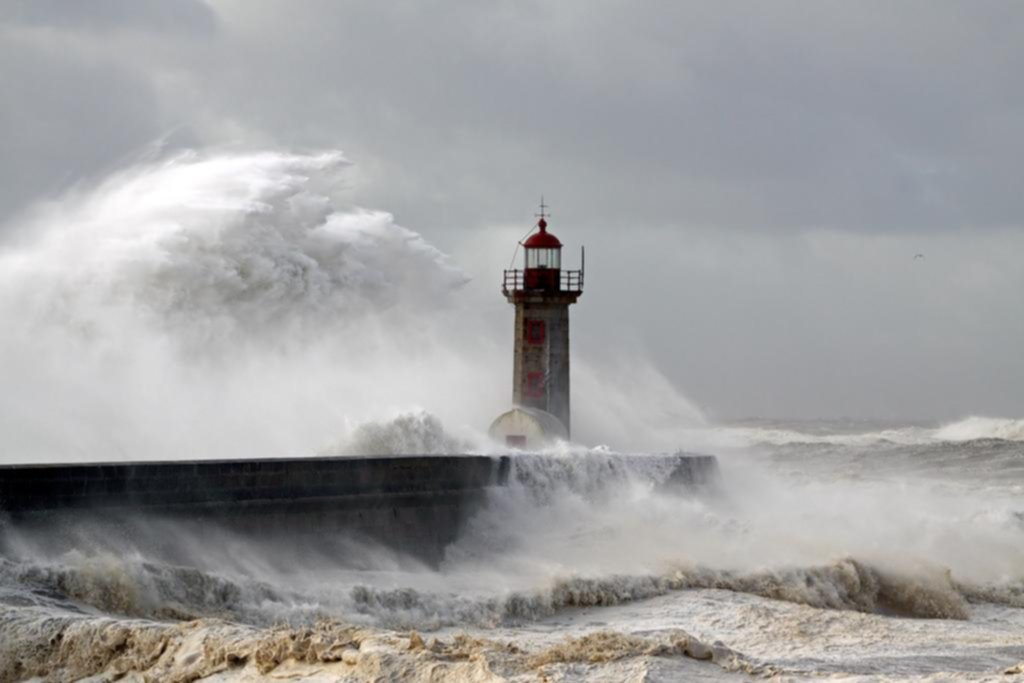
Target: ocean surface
x,y
828,551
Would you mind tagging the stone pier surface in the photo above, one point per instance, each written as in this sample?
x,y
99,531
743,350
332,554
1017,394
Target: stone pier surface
x,y
413,503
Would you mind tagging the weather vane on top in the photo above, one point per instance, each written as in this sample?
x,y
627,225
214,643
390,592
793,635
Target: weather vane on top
x,y
543,206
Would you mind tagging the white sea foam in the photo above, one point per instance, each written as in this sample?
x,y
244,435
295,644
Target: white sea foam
x,y
207,648
968,429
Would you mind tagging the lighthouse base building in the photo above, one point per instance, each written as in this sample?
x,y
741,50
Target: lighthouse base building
x,y
541,293
527,428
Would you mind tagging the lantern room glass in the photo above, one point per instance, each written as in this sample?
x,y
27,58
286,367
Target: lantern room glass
x,y
544,258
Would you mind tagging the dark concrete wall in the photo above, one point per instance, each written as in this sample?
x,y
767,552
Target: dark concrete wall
x,y
413,503
416,504
239,483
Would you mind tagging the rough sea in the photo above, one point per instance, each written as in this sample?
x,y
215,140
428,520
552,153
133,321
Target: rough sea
x,y
224,304
827,551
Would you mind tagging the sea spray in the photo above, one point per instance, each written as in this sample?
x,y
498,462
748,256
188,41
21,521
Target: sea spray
x,y
223,305
415,433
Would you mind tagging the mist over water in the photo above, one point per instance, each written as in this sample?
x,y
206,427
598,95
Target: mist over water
x,y
232,305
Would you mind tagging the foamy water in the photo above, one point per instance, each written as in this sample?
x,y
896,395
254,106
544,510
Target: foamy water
x,y
584,567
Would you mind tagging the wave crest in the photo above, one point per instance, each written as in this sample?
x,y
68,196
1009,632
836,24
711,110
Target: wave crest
x,y
978,428
974,428
843,585
136,588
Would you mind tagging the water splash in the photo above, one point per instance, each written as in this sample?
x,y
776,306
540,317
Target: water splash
x,y
219,305
416,433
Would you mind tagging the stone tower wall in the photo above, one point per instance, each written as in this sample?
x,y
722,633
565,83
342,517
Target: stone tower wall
x,y
541,369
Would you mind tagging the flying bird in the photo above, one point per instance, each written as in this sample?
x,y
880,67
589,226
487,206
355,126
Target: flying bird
x,y
918,256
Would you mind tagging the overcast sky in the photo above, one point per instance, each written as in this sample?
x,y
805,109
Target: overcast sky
x,y
752,179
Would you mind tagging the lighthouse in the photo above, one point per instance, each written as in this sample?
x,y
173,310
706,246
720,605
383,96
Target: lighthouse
x,y
541,292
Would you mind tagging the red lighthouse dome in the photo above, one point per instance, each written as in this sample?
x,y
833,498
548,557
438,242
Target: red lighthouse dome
x,y
542,239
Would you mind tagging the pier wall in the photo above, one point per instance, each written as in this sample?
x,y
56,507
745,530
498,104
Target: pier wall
x,y
413,503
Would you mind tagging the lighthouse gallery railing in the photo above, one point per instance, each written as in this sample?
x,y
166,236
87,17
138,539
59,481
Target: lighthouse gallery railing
x,y
569,281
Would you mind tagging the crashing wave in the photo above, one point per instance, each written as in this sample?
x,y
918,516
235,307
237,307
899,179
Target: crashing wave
x,y
979,428
846,584
230,292
218,250
144,589
843,585
147,589
418,433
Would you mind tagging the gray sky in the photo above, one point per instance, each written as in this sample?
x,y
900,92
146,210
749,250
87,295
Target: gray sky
x,y
752,180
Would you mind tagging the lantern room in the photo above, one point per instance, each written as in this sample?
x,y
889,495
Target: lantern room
x,y
543,254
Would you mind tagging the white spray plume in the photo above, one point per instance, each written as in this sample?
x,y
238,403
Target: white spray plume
x,y
223,250
221,305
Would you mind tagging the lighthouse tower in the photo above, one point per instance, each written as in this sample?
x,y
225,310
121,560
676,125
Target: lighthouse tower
x,y
541,293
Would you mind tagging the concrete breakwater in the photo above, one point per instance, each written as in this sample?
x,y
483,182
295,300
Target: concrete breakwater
x,y
413,503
